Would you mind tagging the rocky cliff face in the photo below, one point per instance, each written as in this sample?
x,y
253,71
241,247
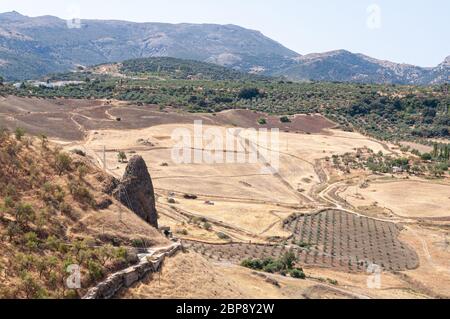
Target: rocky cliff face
x,y
135,191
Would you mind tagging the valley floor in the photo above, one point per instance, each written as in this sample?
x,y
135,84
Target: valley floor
x,y
238,211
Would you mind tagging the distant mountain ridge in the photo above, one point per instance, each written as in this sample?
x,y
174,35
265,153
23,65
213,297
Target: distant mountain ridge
x,y
31,47
344,66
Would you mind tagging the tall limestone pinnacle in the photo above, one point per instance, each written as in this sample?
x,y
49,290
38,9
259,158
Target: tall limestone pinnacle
x,y
135,191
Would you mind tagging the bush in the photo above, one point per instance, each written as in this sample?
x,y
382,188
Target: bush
x,y
288,260
285,119
13,230
262,121
249,93
304,245
31,288
183,232
197,220
274,267
68,211
95,270
332,282
19,133
82,171
223,236
270,265
31,241
255,264
122,157
426,157
297,273
63,162
24,214
81,194
9,202
79,152
138,243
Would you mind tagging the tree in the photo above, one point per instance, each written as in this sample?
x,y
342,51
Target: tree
x,y
82,171
63,162
426,157
249,93
298,273
121,157
207,226
31,287
19,133
437,170
13,230
95,270
262,121
435,150
44,140
285,119
288,260
24,214
2,80
31,241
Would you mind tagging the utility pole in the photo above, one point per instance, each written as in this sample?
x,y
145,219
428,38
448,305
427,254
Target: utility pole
x,y
104,157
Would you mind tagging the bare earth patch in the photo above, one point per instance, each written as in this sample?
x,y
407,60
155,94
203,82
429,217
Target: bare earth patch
x,y
413,199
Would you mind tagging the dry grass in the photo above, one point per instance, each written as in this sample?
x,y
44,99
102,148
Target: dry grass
x,y
49,220
410,199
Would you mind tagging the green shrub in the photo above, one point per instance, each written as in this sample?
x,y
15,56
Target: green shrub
x,y
249,93
121,156
285,119
13,230
62,163
31,240
9,202
426,157
81,194
297,273
95,270
304,244
31,287
288,260
274,267
24,214
332,282
223,236
255,264
139,243
19,133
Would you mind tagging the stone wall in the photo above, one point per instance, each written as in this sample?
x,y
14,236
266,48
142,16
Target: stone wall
x,y
149,262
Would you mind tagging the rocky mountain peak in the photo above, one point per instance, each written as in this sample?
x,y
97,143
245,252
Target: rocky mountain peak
x,y
446,61
13,15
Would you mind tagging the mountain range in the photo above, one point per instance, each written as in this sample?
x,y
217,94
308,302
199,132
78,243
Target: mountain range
x,y
31,47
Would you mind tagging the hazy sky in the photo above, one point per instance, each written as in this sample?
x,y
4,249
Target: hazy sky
x,y
410,31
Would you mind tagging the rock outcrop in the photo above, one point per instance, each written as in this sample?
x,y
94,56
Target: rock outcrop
x,y
136,192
